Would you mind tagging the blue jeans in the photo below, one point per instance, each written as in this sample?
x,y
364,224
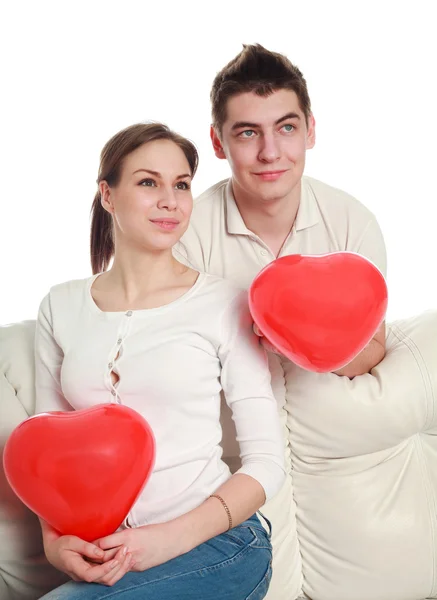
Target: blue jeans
x,y
236,565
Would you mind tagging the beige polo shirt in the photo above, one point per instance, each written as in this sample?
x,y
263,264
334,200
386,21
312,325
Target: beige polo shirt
x,y
218,242
328,220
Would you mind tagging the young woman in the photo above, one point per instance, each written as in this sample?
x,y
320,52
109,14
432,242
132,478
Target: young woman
x,y
164,340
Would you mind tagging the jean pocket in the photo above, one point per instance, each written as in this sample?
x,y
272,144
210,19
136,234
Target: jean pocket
x,y
262,538
241,536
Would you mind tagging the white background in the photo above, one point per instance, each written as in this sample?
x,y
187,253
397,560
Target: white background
x,y
74,73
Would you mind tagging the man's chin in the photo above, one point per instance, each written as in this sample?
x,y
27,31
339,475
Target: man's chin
x,y
273,196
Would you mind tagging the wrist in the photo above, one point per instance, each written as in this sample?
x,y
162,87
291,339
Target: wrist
x,y
182,534
201,524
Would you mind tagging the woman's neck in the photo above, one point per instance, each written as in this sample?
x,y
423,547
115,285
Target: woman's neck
x,y
137,275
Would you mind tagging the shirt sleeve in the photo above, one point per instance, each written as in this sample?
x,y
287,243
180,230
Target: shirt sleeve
x,y
48,362
245,378
372,246
189,250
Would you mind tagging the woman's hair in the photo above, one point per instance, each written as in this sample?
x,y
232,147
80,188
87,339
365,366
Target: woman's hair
x,y
111,164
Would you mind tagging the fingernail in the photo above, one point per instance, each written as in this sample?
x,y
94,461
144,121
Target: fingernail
x,y
124,551
98,552
114,563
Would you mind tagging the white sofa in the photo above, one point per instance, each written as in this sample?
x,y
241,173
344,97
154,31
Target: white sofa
x,y
356,518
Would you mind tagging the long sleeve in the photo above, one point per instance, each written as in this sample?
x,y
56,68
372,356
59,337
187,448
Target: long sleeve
x,y
245,379
48,362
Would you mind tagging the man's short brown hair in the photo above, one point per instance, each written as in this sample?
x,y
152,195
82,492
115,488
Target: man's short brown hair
x,y
257,70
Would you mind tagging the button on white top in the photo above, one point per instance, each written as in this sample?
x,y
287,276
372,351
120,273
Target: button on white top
x,y
129,313
263,252
119,341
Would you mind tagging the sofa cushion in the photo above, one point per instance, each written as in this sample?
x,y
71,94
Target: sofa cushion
x,y
364,456
24,572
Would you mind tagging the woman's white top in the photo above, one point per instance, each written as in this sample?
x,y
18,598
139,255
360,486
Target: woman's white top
x,y
172,362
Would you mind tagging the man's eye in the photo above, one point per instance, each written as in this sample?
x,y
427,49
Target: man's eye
x,y
288,127
248,133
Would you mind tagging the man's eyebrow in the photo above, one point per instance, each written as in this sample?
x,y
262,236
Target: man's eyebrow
x,y
250,125
241,124
290,115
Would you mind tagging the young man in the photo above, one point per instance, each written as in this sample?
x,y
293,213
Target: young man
x,y
263,125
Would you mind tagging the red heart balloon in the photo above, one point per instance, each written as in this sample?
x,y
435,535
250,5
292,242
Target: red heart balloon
x,y
320,311
81,471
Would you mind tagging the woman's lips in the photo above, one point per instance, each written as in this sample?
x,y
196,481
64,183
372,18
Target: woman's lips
x,y
167,224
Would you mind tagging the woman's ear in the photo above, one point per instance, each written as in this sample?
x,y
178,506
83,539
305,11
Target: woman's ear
x,y
106,197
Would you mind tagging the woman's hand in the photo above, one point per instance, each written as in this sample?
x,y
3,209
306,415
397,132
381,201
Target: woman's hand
x,y
80,560
150,545
265,343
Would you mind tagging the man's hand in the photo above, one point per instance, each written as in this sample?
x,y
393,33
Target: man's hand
x,y
368,358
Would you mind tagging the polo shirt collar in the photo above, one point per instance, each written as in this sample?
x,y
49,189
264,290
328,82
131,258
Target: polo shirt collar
x,y
307,214
234,221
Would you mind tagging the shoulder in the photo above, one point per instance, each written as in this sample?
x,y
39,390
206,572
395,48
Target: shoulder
x,y
209,202
226,307
335,199
222,292
217,191
62,296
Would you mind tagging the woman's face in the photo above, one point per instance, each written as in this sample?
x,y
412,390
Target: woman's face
x,y
152,203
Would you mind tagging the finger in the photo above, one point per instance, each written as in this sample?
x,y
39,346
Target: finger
x,y
116,540
115,574
125,568
269,347
107,555
91,573
110,554
85,548
257,330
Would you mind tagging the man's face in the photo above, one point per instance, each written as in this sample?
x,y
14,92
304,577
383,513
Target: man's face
x,y
265,141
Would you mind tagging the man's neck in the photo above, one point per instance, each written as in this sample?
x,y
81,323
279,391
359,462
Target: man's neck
x,y
273,220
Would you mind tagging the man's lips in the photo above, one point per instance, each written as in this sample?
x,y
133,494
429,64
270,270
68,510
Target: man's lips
x,y
270,175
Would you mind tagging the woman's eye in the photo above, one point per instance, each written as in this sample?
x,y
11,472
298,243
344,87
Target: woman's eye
x,y
148,182
182,185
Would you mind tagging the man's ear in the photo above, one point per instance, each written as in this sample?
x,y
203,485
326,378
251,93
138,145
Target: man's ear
x,y
216,143
311,134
